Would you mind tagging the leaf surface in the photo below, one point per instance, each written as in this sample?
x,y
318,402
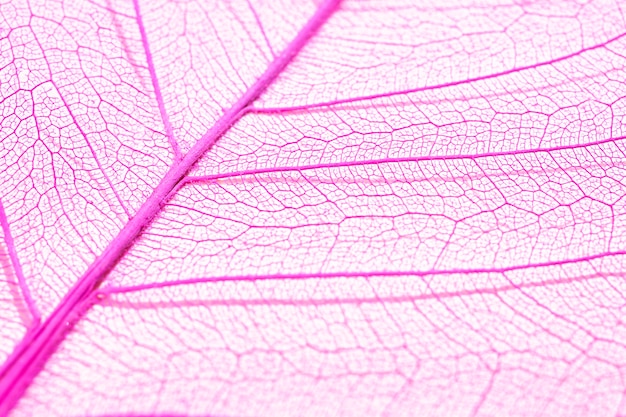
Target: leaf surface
x,y
262,208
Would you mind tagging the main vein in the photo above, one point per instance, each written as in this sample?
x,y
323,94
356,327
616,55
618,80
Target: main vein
x,y
38,345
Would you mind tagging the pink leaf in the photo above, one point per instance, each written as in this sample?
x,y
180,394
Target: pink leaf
x,y
312,208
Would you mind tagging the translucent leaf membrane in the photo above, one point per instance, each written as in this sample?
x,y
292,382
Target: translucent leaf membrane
x,y
423,215
14,314
380,47
573,102
448,179
87,135
80,142
207,54
87,94
492,212
535,341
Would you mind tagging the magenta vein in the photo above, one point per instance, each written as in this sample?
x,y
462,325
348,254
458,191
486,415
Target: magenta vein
x,y
155,85
374,299
260,25
437,86
368,274
205,178
35,349
157,415
87,142
17,267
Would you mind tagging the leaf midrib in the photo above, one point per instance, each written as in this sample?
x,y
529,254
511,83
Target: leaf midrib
x,y
38,345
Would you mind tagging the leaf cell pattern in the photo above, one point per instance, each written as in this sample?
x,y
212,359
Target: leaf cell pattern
x,y
312,208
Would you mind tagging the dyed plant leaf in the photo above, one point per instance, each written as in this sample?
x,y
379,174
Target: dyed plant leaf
x,y
253,208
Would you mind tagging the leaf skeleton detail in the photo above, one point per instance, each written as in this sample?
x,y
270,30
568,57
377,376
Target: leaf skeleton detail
x,y
312,208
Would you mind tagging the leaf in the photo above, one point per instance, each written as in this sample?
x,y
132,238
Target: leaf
x,y
262,209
